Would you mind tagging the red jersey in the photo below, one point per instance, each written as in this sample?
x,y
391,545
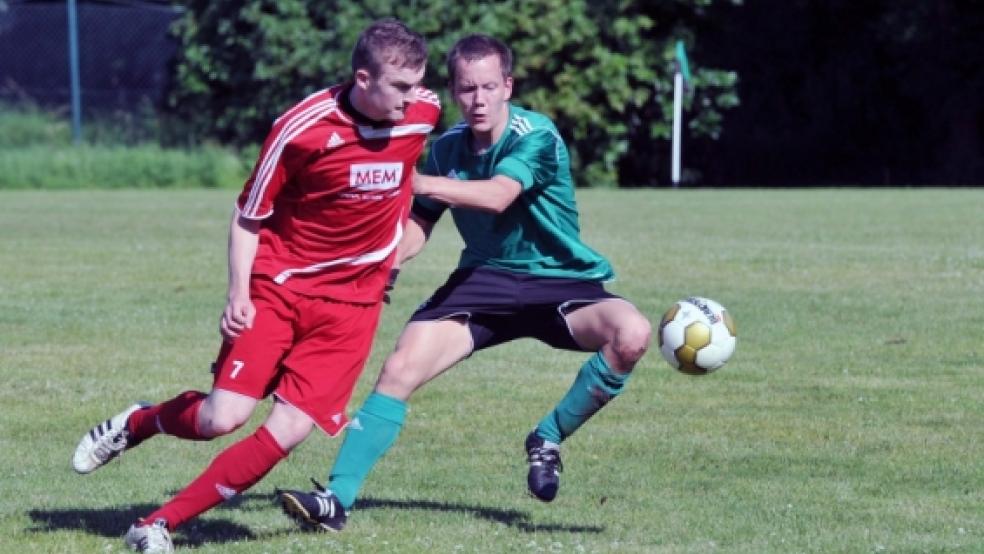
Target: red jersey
x,y
334,194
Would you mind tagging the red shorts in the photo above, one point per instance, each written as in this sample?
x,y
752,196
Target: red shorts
x,y
307,351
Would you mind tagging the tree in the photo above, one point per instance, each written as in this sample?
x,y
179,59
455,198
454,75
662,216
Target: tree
x,y
602,69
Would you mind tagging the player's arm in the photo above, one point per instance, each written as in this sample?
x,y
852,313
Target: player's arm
x,y
243,241
490,195
274,167
414,238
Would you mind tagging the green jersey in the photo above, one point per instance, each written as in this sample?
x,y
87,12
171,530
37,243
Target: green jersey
x,y
538,233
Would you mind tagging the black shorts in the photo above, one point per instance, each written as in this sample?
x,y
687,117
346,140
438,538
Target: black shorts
x,y
502,305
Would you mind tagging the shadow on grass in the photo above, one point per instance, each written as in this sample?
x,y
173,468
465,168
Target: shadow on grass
x,y
113,522
512,518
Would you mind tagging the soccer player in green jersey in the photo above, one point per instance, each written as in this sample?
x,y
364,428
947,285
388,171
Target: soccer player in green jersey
x,y
504,173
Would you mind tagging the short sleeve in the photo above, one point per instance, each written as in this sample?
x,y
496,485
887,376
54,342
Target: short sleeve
x,y
532,160
267,179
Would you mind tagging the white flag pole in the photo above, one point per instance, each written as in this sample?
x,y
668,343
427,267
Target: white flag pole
x,y
681,77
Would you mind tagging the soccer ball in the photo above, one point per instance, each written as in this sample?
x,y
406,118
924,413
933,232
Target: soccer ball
x,y
697,335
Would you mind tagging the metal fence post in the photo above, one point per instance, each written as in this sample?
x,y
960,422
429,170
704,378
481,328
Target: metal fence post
x,y
73,63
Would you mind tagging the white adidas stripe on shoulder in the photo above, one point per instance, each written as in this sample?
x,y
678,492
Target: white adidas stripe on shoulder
x,y
295,126
302,118
429,96
371,133
297,107
521,125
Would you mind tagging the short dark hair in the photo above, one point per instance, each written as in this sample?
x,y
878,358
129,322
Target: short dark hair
x,y
476,47
388,41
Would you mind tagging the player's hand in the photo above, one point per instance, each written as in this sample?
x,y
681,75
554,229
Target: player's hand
x,y
390,283
237,317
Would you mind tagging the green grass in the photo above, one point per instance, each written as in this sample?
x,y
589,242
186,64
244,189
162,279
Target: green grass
x,y
849,420
36,152
117,167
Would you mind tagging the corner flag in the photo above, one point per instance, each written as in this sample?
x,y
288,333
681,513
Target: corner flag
x,y
681,79
682,64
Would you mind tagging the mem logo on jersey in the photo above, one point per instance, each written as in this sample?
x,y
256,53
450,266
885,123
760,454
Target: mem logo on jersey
x,y
375,176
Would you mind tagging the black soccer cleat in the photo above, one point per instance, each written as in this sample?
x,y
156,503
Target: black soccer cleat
x,y
543,479
319,510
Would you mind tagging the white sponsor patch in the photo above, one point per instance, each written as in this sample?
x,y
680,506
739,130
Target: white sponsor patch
x,y
374,177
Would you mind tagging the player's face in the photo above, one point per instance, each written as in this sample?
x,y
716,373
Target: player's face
x,y
386,96
482,94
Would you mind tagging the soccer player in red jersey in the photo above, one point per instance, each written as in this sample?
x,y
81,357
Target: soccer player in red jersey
x,y
311,244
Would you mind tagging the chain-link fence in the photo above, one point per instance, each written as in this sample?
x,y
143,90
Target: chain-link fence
x,y
124,52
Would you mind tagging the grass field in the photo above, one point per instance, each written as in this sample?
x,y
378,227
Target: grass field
x,y
851,418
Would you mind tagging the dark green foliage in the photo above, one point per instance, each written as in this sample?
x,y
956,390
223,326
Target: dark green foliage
x,y
601,69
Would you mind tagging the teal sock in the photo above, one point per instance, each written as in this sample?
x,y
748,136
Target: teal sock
x,y
595,385
371,433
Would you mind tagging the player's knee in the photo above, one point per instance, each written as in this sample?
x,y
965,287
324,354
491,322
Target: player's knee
x,y
398,378
222,424
632,340
296,435
216,420
290,433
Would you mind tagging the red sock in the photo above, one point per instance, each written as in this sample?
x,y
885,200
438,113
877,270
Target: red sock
x,y
236,469
177,416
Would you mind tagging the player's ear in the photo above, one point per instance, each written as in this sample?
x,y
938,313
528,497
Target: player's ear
x,y
508,85
362,78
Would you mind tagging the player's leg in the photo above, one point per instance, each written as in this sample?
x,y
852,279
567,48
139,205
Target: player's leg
x,y
440,333
244,373
424,350
191,415
243,370
234,470
237,468
619,335
615,327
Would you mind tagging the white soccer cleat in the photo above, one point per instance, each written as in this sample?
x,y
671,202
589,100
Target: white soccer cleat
x,y
103,442
151,539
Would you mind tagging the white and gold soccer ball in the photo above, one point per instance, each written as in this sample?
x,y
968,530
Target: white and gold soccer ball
x,y
697,335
